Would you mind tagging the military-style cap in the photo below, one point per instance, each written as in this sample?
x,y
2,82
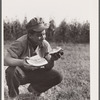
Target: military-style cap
x,y
36,24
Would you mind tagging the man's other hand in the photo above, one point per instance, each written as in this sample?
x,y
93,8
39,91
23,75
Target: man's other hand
x,y
58,55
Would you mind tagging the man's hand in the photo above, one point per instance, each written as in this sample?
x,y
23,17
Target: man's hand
x,y
50,64
48,57
28,66
58,55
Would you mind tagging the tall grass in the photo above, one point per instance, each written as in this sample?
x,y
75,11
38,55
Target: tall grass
x,y
75,68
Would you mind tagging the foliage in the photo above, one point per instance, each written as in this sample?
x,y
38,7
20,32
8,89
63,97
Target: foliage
x,y
74,32
14,29
50,31
60,32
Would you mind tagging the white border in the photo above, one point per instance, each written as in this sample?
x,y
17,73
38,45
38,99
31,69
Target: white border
x,y
2,80
94,49
94,70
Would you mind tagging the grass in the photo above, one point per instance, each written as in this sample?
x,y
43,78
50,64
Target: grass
x,y
75,68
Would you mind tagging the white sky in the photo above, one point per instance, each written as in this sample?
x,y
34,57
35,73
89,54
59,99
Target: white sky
x,y
56,9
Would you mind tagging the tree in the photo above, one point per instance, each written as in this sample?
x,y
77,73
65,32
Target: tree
x,y
7,30
60,32
51,30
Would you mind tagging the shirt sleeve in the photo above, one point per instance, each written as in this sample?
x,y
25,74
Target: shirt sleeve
x,y
45,49
47,46
15,49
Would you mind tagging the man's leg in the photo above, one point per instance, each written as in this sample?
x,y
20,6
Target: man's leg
x,y
42,80
14,77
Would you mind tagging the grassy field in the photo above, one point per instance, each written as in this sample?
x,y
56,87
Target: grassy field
x,y
75,68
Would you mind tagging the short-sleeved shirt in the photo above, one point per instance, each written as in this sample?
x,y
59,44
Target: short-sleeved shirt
x,y
21,48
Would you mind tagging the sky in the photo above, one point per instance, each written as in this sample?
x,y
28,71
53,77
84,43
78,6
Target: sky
x,y
48,9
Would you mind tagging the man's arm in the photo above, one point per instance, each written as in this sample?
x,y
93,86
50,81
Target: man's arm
x,y
13,62
50,60
10,61
11,57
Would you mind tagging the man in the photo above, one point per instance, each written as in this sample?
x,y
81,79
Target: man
x,y
20,72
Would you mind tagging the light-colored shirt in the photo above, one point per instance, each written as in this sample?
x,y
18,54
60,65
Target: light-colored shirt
x,y
21,48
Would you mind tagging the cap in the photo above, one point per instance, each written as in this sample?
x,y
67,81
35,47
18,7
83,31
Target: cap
x,y
36,24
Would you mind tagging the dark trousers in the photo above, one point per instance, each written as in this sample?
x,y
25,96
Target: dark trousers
x,y
40,79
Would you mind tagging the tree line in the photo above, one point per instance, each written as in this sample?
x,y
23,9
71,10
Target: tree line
x,y
74,32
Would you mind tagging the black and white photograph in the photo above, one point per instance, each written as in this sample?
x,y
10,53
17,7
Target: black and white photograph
x,y
46,49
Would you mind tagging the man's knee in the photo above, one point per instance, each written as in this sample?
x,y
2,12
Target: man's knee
x,y
9,71
58,77
15,72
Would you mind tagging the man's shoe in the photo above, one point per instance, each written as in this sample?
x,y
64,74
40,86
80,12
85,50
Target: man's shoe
x,y
13,98
31,89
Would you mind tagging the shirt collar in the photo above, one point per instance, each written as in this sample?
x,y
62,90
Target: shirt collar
x,y
31,44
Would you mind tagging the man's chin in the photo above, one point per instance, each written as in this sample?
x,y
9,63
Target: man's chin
x,y
40,44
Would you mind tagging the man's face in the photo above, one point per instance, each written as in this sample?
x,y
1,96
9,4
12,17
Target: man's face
x,y
37,37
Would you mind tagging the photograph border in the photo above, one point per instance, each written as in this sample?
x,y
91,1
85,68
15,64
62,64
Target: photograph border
x,y
1,49
95,11
94,50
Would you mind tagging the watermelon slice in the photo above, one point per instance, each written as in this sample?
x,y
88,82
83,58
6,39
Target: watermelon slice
x,y
40,61
55,50
37,61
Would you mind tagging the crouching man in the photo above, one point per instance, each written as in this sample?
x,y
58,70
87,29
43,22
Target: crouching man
x,y
20,72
